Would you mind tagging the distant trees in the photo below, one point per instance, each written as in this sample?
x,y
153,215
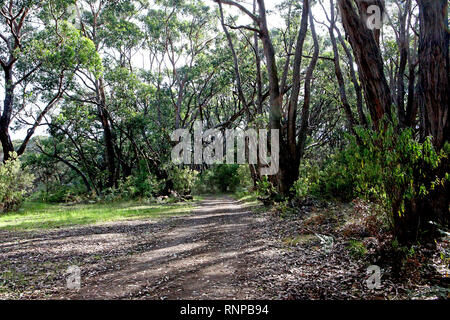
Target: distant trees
x,y
117,123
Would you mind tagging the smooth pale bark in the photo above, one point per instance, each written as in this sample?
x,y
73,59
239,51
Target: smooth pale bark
x,y
293,103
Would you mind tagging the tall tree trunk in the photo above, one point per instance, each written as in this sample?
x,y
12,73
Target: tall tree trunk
x,y
434,69
269,52
288,161
434,78
403,45
339,76
107,134
5,119
304,127
259,88
356,85
276,100
292,112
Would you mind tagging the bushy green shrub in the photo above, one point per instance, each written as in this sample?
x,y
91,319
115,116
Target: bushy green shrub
x,y
183,179
265,188
389,167
142,184
245,178
308,181
226,177
15,181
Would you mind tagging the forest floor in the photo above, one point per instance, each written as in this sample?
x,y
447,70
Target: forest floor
x,y
226,249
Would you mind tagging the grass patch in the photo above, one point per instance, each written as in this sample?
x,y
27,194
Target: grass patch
x,y
36,215
245,196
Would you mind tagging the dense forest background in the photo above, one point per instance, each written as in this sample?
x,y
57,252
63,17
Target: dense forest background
x,y
93,90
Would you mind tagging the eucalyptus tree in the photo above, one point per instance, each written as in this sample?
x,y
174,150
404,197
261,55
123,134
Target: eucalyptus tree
x,y
180,38
331,16
284,88
138,102
112,27
39,53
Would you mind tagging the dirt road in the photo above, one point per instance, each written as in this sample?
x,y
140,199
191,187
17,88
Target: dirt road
x,y
222,250
194,257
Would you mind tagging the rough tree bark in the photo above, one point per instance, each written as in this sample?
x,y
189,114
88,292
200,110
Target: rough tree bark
x,y
434,70
5,119
434,78
369,60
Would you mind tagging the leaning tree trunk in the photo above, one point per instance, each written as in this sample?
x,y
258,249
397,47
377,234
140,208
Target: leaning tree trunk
x,y
369,60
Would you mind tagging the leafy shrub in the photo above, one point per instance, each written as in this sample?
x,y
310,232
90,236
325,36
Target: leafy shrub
x,y
245,178
226,177
265,188
389,167
357,249
392,167
183,179
142,184
307,183
15,181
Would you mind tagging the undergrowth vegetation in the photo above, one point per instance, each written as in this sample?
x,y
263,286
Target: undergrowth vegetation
x,y
14,184
390,173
